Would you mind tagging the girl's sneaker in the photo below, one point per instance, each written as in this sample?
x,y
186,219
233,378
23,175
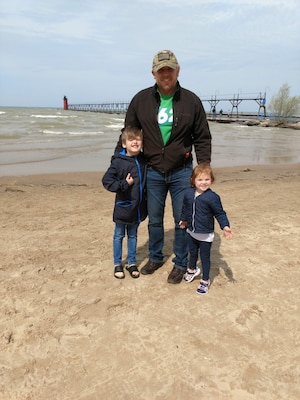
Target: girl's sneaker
x,y
203,287
191,274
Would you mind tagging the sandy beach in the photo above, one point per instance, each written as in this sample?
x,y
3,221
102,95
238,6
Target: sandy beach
x,y
70,330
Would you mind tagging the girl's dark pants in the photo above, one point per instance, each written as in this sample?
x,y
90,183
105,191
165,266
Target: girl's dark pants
x,y
196,246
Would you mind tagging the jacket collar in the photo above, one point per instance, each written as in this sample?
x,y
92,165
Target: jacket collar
x,y
176,94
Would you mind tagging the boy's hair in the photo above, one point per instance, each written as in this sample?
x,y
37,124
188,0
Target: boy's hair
x,y
199,169
130,133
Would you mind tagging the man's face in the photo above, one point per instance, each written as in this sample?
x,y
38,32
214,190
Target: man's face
x,y
166,79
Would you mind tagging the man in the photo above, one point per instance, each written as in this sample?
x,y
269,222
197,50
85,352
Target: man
x,y
173,120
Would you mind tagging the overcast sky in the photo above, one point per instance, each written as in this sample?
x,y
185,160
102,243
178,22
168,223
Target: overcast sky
x,y
95,51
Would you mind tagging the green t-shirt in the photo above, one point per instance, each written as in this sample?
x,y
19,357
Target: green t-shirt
x,y
165,117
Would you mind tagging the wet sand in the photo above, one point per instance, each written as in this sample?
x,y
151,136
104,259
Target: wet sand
x,y
70,330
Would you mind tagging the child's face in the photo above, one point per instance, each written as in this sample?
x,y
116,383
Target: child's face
x,y
202,182
133,146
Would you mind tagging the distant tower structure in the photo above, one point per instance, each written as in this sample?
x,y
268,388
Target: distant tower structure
x,y
261,101
235,102
66,103
213,103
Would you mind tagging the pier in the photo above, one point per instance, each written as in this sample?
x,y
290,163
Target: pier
x,y
120,107
109,108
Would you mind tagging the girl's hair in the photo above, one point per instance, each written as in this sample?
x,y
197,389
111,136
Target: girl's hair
x,y
130,133
199,169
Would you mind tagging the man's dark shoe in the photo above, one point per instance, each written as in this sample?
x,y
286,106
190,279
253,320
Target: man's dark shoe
x,y
150,267
176,275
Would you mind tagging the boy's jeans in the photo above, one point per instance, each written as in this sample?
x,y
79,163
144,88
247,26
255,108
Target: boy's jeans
x,y
119,234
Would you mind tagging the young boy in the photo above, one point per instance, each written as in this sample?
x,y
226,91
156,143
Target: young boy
x,y
126,177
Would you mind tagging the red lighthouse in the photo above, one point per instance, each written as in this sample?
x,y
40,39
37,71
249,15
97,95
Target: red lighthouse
x,y
65,103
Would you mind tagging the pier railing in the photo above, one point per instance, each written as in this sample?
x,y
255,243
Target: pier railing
x,y
110,108
120,107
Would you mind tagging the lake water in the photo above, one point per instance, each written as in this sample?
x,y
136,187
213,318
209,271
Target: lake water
x,y
42,140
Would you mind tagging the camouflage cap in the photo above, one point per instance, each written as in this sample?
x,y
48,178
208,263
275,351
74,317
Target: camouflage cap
x,y
164,58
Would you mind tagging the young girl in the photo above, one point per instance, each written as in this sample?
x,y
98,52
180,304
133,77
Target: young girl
x,y
200,206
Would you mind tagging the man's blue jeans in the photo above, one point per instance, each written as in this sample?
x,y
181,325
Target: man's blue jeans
x,y
119,234
158,186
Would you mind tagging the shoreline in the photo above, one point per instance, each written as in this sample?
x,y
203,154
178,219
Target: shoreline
x,y
93,177
237,145
264,123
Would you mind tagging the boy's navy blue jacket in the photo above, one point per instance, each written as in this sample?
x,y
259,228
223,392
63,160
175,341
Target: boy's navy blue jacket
x,y
199,212
130,201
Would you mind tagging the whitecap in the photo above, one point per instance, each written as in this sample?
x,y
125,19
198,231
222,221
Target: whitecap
x,y
48,132
116,126
85,133
48,116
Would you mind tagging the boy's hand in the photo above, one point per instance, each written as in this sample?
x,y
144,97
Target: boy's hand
x,y
129,179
